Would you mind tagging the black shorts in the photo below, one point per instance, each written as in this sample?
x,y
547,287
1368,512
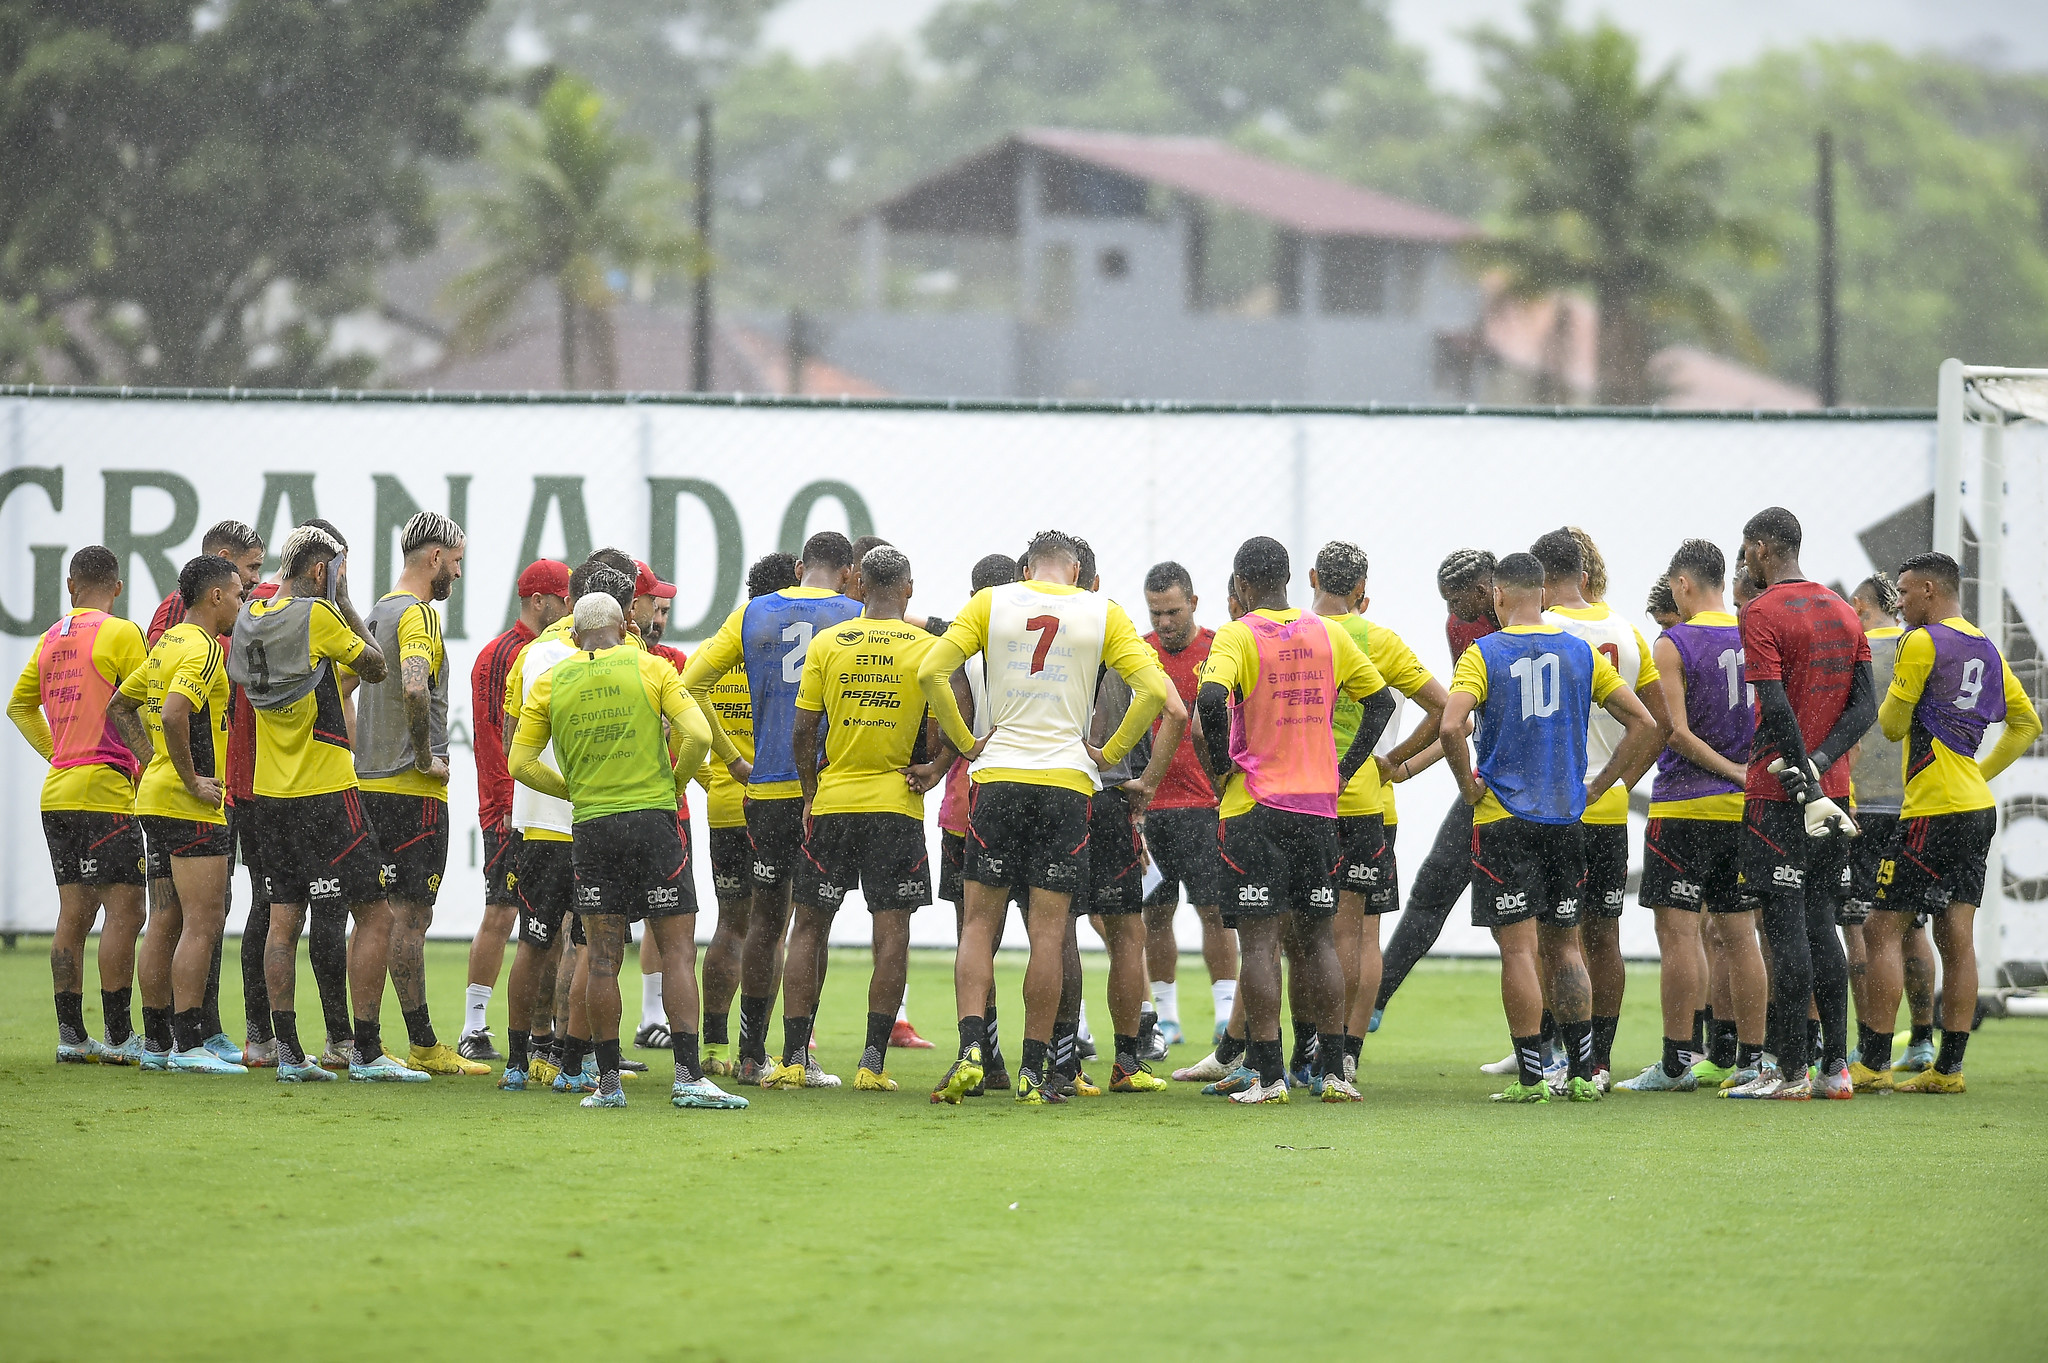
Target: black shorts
x,y
1278,861
1779,861
318,850
546,885
168,838
775,839
413,831
1183,847
1115,883
1034,834
1367,865
1866,853
1606,892
1390,883
92,847
1692,864
883,855
1936,860
1522,869
732,859
501,865
635,865
247,845
953,869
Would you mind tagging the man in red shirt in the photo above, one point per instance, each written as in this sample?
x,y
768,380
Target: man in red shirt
x,y
1179,824
543,599
1808,660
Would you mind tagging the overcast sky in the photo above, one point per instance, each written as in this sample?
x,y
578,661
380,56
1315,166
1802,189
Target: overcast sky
x,y
1707,34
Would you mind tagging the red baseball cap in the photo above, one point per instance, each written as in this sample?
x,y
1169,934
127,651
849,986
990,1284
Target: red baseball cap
x,y
545,577
647,584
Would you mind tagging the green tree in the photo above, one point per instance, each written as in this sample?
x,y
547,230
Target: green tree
x,y
1601,195
216,181
575,201
1939,196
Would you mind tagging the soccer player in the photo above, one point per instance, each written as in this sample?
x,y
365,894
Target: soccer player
x,y
1532,685
1692,852
318,846
602,709
770,636
88,803
1180,821
175,709
1878,788
731,858
1948,685
1034,772
1804,652
653,600
401,753
1268,704
864,813
241,547
1662,606
543,589
1365,877
1572,569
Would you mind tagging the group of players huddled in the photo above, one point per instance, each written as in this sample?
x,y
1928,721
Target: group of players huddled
x,y
1256,765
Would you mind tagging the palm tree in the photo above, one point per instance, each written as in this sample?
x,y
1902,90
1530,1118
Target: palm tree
x,y
1600,198
576,200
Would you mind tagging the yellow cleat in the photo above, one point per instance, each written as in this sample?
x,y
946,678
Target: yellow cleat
x,y
541,1071
1866,1080
784,1076
440,1058
1139,1080
718,1059
964,1077
865,1078
1931,1080
1084,1087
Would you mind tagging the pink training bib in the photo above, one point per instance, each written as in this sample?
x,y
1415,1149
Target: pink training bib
x,y
75,697
1280,734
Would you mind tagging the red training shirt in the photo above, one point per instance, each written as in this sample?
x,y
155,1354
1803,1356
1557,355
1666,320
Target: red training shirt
x,y
1185,785
677,659
487,723
241,720
1462,634
169,612
1802,634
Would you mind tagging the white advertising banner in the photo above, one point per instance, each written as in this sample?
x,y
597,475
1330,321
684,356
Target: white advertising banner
x,y
700,490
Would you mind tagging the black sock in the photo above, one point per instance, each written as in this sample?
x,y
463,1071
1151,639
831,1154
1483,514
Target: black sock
x,y
1877,1051
545,1047
1265,1058
796,1039
688,1068
1354,1046
209,1006
1529,1056
70,1018
1700,1018
520,1042
1603,1042
1127,1053
1813,1040
418,1029
574,1048
369,1038
327,950
285,1028
1549,1033
1064,1047
754,1027
1304,1043
1034,1059
1950,1061
715,1025
608,1065
972,1033
1578,1047
1922,1032
1748,1057
1330,1054
992,1042
156,1029
114,1009
1229,1049
875,1054
1864,1033
1674,1058
1723,1043
188,1029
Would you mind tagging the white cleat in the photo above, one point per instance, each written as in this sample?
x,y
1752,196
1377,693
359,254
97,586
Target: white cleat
x,y
1207,1070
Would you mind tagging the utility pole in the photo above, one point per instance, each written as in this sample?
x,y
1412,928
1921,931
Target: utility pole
x,y
700,312
1824,211
799,349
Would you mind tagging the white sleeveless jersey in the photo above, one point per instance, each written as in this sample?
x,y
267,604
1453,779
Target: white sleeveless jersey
x,y
1042,654
530,808
1614,639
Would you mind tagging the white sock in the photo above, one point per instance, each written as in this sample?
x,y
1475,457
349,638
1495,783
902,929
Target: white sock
x,y
1083,1033
1225,994
1167,994
475,999
650,1000
903,1012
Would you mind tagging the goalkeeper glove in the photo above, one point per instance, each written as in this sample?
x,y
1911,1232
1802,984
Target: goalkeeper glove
x,y
1800,785
1823,816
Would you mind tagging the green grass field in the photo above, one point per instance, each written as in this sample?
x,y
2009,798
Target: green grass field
x,y
174,1217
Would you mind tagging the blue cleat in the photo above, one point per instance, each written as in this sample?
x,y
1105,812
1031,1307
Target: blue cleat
x,y
1171,1032
387,1070
603,1099
86,1052
1919,1056
308,1071
1303,1078
584,1082
128,1052
223,1049
704,1093
1237,1081
158,1062
1654,1080
1374,1025
512,1080
200,1060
